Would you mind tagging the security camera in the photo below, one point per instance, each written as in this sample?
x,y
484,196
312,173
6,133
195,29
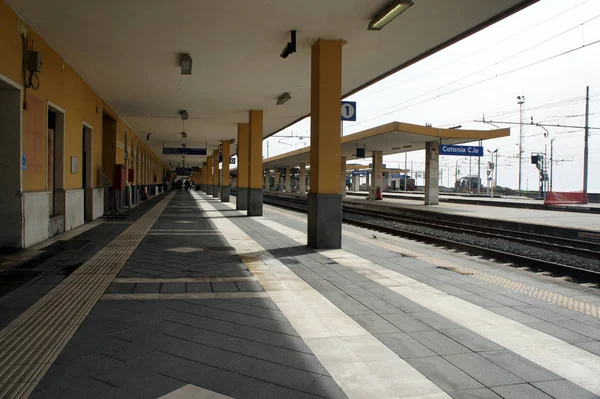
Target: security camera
x,y
290,47
287,50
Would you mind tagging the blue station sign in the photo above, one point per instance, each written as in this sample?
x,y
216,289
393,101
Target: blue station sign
x,y
360,173
184,151
349,111
462,150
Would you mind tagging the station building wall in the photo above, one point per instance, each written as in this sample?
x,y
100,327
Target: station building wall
x,y
60,89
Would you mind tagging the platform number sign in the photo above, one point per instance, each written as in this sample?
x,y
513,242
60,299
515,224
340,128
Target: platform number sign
x,y
349,110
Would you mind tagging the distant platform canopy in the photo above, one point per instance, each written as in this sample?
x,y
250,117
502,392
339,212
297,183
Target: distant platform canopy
x,y
391,138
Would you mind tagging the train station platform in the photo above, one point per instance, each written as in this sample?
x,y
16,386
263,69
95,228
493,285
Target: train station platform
x,y
502,201
189,298
565,219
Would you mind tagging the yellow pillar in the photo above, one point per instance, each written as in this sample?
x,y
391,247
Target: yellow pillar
x,y
226,153
205,174
255,172
241,201
209,185
215,176
324,198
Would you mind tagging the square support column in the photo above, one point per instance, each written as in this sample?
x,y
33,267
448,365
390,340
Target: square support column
x,y
225,183
343,176
324,199
377,178
209,174
255,173
241,201
432,173
215,176
356,183
288,179
302,182
267,180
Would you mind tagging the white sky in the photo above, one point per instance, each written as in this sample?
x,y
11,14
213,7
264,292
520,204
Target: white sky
x,y
475,76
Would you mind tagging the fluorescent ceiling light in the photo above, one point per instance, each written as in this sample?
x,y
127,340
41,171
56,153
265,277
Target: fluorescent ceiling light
x,y
390,12
185,60
284,98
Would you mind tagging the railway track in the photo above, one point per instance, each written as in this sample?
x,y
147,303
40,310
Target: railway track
x,y
588,252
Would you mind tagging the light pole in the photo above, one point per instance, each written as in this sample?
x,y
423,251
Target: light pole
x,y
494,166
520,101
456,176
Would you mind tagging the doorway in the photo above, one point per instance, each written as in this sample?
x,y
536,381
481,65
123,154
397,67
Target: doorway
x,y
86,173
11,165
55,171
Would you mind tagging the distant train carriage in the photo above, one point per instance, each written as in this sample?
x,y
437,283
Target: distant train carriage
x,y
468,184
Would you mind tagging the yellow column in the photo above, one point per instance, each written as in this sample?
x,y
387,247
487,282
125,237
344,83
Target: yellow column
x,y
226,153
215,177
243,153
324,198
255,173
209,185
205,174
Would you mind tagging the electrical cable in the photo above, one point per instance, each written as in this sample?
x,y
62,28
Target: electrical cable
x,y
562,13
496,63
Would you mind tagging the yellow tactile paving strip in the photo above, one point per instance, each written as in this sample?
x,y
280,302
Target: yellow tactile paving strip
x,y
31,343
548,296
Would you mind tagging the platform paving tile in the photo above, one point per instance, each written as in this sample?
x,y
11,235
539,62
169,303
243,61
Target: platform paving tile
x,y
375,324
516,314
481,393
519,366
83,387
564,389
61,374
439,343
404,345
593,347
483,370
172,288
520,391
540,313
444,374
471,340
559,332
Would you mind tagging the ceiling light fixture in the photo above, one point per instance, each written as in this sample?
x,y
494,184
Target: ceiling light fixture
x,y
290,47
184,115
284,98
185,60
386,15
183,135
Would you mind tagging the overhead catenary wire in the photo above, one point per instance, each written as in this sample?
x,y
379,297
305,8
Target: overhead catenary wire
x,y
481,81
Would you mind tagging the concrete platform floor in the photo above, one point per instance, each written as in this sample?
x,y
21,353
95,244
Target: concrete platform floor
x,y
195,299
466,197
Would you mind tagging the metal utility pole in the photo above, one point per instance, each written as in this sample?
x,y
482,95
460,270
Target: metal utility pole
x,y
496,171
479,172
456,175
520,101
551,161
405,171
585,148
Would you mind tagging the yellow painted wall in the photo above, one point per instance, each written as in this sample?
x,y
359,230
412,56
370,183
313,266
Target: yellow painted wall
x,y
60,85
